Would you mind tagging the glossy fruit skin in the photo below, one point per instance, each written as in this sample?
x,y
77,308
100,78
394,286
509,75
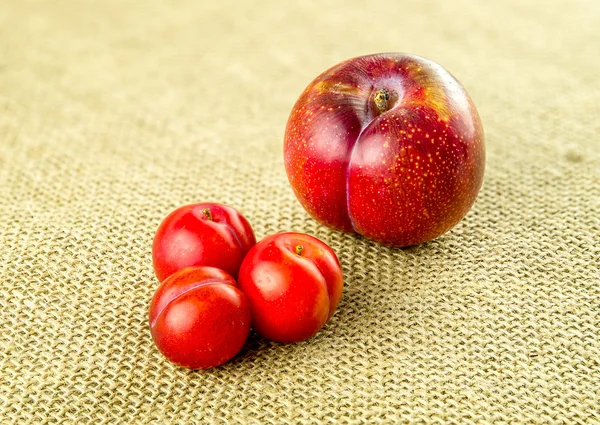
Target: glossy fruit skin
x,y
292,295
400,174
199,318
205,234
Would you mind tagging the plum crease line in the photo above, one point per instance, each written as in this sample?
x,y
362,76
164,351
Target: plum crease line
x,y
362,130
307,260
237,239
211,282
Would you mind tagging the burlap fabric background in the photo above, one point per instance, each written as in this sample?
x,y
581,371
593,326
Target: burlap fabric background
x,y
113,113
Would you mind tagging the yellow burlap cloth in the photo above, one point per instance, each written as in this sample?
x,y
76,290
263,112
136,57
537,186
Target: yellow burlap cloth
x,y
113,113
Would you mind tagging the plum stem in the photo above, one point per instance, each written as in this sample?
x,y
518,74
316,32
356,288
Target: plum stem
x,y
381,98
207,213
299,249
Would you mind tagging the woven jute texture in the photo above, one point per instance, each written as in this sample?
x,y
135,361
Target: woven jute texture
x,y
113,113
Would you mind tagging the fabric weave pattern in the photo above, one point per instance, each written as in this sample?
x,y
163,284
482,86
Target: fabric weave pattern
x,y
114,113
